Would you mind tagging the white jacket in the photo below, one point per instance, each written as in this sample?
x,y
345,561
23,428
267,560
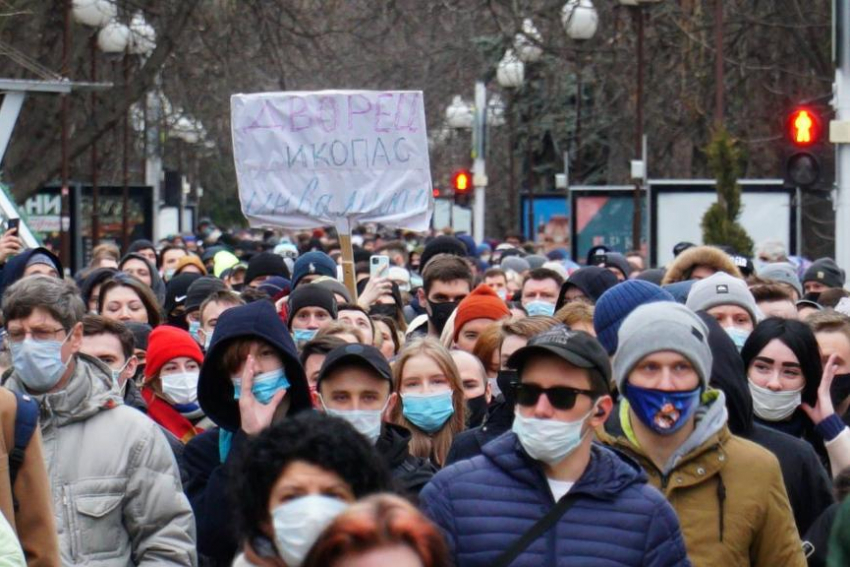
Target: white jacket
x,y
116,489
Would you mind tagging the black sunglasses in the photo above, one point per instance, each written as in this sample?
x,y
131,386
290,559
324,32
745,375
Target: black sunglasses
x,y
560,397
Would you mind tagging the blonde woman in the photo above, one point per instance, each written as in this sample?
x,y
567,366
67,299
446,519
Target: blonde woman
x,y
432,400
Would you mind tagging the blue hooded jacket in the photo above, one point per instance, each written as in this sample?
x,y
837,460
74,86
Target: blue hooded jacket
x,y
486,503
16,265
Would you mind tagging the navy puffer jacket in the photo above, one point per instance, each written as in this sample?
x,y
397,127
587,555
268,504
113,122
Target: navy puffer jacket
x,y
486,503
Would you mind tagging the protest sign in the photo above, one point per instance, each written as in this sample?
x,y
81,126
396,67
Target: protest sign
x,y
308,159
332,158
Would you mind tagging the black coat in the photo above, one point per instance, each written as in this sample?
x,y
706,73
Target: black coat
x,y
818,536
806,481
409,473
468,444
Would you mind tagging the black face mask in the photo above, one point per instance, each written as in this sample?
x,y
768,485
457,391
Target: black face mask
x,y
507,379
386,309
477,410
440,313
840,389
237,287
179,321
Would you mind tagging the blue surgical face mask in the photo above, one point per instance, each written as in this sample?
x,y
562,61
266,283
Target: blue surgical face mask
x,y
303,335
663,412
366,422
540,308
193,330
428,412
738,336
38,364
549,440
265,386
116,376
207,341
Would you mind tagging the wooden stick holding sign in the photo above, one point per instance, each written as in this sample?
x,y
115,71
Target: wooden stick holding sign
x,y
348,274
341,158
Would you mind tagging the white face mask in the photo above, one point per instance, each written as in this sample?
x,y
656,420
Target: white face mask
x,y
298,524
366,422
549,440
774,406
180,388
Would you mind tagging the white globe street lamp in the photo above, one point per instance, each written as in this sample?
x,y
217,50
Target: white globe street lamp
x,y
511,71
495,111
95,13
114,37
527,43
579,19
142,36
459,114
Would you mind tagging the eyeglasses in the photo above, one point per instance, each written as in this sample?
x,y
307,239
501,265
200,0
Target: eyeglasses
x,y
560,397
18,335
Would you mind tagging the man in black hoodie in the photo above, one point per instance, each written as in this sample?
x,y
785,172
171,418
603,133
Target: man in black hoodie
x,y
355,383
806,481
30,262
251,376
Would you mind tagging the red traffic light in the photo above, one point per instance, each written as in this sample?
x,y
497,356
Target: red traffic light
x,y
462,181
804,127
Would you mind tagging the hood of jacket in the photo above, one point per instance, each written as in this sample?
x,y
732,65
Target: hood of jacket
x,y
608,473
157,285
729,375
88,392
681,267
15,266
257,320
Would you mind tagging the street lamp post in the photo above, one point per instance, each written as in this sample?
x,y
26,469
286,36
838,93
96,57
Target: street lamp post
x,y
638,14
580,21
510,74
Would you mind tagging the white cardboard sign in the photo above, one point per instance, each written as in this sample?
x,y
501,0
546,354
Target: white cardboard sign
x,y
308,159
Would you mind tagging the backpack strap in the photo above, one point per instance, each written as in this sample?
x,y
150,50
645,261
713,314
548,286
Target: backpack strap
x,y
26,421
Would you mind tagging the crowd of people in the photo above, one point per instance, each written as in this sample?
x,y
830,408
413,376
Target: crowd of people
x,y
224,399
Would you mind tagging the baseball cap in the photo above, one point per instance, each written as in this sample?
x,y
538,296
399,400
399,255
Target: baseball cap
x,y
357,354
576,347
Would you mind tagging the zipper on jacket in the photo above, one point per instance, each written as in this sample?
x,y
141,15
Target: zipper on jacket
x,y
70,525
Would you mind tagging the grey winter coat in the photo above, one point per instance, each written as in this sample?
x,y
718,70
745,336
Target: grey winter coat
x,y
117,495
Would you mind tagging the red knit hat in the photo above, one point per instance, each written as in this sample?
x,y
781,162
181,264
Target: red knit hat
x,y
166,343
482,303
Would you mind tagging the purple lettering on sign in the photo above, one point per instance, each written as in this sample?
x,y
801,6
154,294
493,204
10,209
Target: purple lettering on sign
x,y
299,118
379,111
353,108
328,113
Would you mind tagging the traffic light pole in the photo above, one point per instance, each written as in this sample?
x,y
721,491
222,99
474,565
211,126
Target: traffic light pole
x,y
479,169
840,133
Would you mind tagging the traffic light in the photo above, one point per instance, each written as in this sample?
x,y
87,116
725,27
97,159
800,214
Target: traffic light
x,y
462,184
804,132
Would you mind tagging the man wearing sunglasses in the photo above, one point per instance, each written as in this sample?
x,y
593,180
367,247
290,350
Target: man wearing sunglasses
x,y
546,484
728,492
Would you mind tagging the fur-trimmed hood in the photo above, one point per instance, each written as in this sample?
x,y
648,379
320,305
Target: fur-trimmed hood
x,y
680,269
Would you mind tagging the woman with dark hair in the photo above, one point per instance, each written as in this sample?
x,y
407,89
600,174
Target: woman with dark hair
x,y
381,530
790,387
294,479
139,266
125,298
90,286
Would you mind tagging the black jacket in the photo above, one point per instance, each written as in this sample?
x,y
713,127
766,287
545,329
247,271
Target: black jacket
x,y
410,473
806,481
206,476
468,444
818,536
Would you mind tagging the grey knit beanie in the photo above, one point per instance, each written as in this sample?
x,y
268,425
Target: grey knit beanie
x,y
662,326
515,263
782,272
723,289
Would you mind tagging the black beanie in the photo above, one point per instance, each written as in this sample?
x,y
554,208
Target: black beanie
x,y
311,296
441,245
177,289
200,289
825,271
266,264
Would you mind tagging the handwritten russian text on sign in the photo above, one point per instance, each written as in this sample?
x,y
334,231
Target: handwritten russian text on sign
x,y
332,158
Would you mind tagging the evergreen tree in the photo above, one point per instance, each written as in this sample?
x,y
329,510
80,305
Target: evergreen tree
x,y
720,222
